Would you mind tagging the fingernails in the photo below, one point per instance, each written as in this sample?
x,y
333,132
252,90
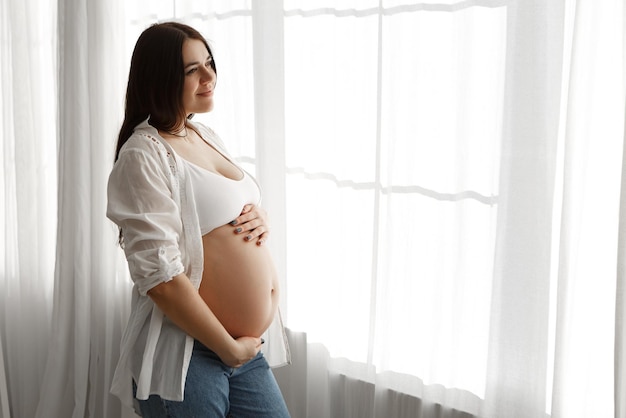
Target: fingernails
x,y
238,230
233,222
248,237
260,242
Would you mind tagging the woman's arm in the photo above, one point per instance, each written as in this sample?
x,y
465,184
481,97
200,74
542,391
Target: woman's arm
x,y
140,202
181,303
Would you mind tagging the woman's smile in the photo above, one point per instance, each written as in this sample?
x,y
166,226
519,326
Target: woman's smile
x,y
207,93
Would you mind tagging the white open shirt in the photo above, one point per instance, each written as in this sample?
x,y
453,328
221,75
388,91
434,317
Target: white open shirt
x,y
151,199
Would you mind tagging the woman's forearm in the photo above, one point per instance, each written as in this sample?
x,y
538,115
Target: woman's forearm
x,y
182,304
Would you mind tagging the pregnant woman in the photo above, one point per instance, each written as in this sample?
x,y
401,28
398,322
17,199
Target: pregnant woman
x,y
205,287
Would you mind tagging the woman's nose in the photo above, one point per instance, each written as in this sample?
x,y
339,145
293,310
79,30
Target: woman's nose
x,y
208,75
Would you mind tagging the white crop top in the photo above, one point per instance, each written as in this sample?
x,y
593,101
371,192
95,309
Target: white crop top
x,y
219,200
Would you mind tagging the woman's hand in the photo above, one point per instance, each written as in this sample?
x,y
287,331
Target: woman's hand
x,y
244,350
253,224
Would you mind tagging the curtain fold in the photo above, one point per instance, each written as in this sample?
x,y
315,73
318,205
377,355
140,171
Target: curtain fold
x,y
593,141
28,127
4,395
91,290
620,302
269,122
520,301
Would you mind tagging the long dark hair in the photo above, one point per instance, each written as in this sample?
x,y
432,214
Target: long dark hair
x,y
156,79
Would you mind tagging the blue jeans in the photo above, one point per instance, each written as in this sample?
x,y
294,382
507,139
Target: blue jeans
x,y
213,389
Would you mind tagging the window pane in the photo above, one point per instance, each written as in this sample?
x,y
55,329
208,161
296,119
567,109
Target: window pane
x,y
442,97
330,88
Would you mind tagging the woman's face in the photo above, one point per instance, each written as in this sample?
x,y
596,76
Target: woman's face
x,y
199,77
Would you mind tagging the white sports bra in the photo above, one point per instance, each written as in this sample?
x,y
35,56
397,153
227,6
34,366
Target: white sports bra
x,y
219,200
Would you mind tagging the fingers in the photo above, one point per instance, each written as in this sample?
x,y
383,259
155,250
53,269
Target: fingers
x,y
249,213
251,230
252,224
248,348
263,238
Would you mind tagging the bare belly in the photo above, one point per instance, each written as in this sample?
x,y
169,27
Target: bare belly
x,y
239,282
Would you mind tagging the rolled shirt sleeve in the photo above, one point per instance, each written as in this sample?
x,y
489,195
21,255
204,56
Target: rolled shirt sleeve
x,y
141,203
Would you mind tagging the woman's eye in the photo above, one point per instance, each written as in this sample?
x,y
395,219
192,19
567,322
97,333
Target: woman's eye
x,y
193,70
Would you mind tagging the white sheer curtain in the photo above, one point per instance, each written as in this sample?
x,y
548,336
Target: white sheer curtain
x,y
61,320
592,144
28,126
620,317
452,207
91,288
443,178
